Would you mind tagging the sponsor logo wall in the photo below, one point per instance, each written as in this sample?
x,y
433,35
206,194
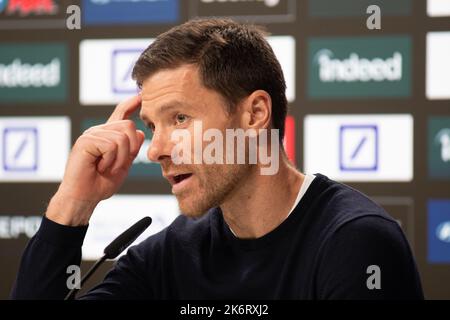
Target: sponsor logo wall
x,y
438,65
284,49
246,10
113,12
350,67
30,14
349,8
439,147
438,8
33,149
359,147
21,8
289,138
439,231
369,108
33,72
106,67
15,226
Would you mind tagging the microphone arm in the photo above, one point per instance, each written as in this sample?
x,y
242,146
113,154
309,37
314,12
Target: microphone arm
x,y
114,249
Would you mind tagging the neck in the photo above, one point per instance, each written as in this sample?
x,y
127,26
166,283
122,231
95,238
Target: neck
x,y
261,203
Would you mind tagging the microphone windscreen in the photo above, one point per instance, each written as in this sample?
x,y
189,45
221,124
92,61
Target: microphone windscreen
x,y
126,238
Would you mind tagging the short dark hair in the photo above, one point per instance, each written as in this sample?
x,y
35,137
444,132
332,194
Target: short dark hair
x,y
234,59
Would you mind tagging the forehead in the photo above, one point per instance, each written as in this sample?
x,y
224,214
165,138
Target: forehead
x,y
181,84
177,87
180,79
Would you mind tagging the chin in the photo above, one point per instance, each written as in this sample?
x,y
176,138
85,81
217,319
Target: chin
x,y
191,208
192,213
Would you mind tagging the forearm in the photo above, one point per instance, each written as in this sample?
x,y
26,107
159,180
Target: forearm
x,y
42,273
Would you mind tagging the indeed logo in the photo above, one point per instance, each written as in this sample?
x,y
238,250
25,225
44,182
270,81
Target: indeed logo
x,y
27,7
268,3
443,231
18,74
355,69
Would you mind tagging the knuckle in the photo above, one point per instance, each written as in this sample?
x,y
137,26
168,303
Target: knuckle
x,y
113,146
84,138
129,124
122,138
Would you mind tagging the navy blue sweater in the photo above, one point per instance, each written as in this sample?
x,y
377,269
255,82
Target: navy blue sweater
x,y
323,250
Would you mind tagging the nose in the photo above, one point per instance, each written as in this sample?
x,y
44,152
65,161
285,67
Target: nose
x,y
160,147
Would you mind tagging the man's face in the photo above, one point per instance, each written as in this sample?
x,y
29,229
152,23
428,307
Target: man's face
x,y
173,99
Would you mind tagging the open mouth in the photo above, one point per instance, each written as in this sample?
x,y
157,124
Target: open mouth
x,y
178,178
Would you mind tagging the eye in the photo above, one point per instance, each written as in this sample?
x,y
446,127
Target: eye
x,y
181,118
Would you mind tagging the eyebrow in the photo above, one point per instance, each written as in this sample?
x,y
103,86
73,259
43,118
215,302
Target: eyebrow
x,y
163,109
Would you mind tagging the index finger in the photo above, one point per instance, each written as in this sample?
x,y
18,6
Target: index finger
x,y
125,109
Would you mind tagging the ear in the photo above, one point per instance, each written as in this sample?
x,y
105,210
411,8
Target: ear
x,y
256,111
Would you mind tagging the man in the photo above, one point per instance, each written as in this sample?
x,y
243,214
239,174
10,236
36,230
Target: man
x,y
242,234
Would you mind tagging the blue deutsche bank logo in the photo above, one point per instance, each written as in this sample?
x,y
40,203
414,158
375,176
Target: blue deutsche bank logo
x,y
358,148
122,63
439,231
107,12
20,149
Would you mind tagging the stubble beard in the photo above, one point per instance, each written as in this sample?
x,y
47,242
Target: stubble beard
x,y
214,185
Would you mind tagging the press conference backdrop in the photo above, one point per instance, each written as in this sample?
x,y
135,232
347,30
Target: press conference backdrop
x,y
370,108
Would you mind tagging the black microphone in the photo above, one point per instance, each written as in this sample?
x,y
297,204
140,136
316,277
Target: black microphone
x,y
114,249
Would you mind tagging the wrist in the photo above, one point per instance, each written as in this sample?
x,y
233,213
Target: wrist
x,y
70,212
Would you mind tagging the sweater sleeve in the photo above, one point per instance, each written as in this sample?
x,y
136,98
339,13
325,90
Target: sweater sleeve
x,y
48,254
43,268
368,258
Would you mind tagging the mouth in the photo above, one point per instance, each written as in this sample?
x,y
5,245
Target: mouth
x,y
179,178
178,181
